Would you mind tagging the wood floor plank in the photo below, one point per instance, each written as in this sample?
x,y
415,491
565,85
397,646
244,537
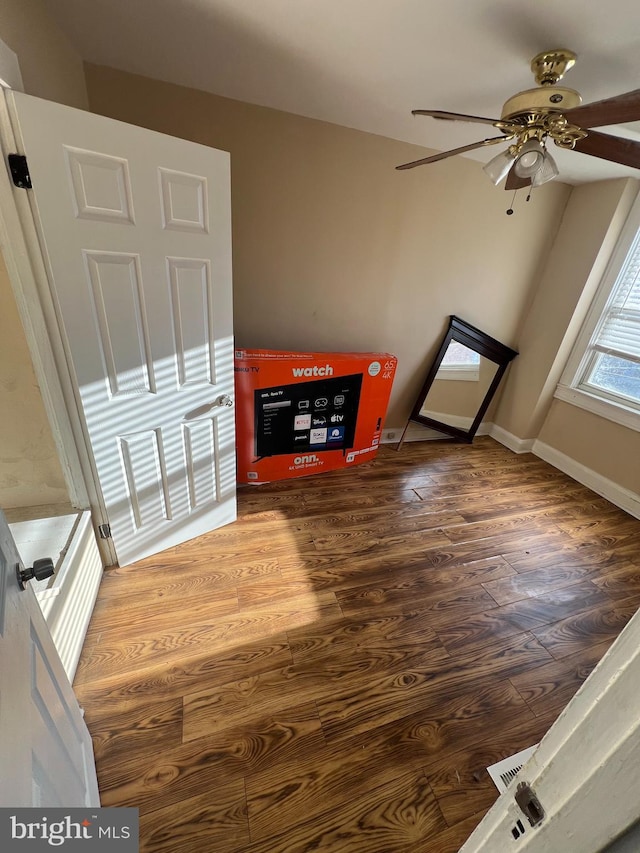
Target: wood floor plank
x,y
383,496
232,704
194,578
388,639
215,819
476,492
445,724
459,778
581,631
398,817
310,790
106,694
136,726
469,600
450,840
531,522
438,571
550,687
176,644
368,541
133,616
415,516
392,696
155,780
621,582
561,552
335,670
524,615
536,582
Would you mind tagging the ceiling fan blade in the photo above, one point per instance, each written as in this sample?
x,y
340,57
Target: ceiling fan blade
x,y
454,116
614,148
617,110
444,154
515,182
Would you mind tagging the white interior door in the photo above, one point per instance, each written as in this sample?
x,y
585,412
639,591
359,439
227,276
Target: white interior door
x,y
46,757
135,230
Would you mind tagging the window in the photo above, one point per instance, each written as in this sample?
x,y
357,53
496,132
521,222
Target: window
x,y
603,374
459,362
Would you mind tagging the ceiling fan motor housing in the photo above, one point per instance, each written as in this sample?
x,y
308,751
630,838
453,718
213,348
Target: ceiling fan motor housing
x,y
540,101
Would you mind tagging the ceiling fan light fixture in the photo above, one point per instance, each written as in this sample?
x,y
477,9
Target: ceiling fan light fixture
x,y
529,159
547,172
498,167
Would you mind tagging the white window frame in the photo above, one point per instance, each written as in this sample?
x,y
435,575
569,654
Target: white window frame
x,y
598,401
459,372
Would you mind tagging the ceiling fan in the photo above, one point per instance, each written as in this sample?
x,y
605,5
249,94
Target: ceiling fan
x,y
530,118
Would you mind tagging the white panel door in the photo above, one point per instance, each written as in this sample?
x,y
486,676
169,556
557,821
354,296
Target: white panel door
x,y
46,757
135,228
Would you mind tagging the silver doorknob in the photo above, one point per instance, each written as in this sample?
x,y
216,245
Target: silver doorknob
x,y
224,400
40,570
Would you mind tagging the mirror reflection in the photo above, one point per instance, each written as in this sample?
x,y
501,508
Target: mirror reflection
x,y
462,380
459,387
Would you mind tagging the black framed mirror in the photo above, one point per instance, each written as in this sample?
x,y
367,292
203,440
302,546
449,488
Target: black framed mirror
x,y
462,381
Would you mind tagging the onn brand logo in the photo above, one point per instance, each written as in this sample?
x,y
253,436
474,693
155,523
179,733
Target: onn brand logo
x,y
303,460
327,370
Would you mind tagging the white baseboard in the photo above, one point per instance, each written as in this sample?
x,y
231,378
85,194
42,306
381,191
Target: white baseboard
x,y
418,432
68,611
415,432
517,445
624,498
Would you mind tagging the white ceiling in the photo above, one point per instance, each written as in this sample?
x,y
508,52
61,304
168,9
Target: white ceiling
x,y
367,63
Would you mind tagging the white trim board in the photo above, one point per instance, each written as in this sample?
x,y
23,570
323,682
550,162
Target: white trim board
x,y
27,272
68,597
515,444
10,74
624,498
25,267
418,432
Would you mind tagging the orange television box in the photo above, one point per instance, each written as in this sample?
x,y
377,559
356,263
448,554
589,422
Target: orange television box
x,y
304,413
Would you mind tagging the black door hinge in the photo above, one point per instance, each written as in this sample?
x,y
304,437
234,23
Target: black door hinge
x,y
20,171
105,531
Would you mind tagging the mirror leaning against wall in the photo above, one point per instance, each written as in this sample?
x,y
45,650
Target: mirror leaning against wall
x,y
462,381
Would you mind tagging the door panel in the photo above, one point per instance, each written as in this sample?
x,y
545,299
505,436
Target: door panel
x,y
135,229
43,738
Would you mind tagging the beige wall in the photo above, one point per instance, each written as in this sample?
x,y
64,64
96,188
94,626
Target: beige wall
x,y
609,449
592,223
30,473
334,249
50,67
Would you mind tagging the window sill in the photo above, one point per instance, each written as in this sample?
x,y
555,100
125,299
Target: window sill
x,y
611,411
458,374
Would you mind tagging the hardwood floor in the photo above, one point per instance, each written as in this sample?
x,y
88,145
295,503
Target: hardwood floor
x,y
334,671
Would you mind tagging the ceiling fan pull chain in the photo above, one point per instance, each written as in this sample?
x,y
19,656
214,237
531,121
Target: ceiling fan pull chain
x,y
510,209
